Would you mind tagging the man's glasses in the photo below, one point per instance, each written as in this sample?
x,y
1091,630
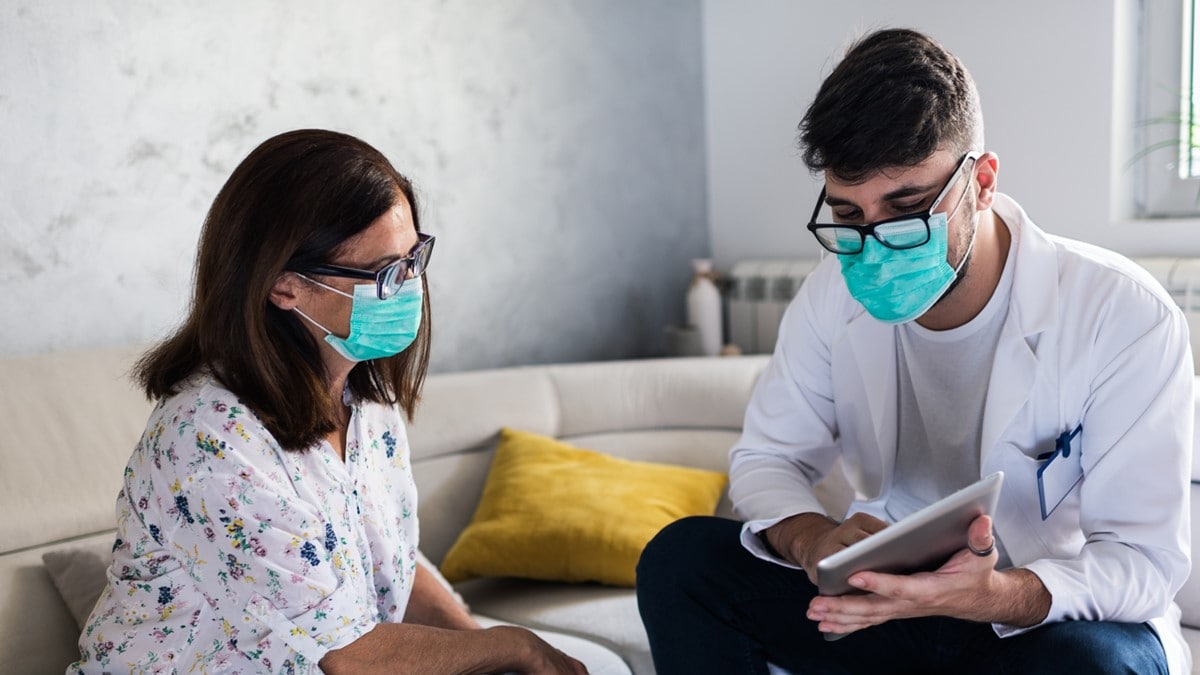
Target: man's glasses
x,y
392,276
909,231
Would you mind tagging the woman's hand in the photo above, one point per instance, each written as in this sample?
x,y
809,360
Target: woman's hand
x,y
430,604
542,658
410,649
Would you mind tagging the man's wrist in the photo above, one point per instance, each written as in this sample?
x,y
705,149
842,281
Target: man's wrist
x,y
1020,598
793,538
766,544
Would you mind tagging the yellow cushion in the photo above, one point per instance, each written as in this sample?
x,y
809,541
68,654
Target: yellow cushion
x,y
555,512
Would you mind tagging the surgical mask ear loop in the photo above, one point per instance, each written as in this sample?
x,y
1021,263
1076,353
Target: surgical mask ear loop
x,y
326,287
330,288
967,253
312,321
974,229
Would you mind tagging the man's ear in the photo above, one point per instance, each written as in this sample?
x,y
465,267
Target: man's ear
x,y
286,291
986,169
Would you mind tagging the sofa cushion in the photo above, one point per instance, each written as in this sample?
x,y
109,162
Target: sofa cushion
x,y
70,421
455,431
38,634
704,449
699,448
80,574
1196,430
450,485
556,512
1188,597
682,393
459,411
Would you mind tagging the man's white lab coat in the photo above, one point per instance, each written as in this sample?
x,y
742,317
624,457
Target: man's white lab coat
x,y
1090,339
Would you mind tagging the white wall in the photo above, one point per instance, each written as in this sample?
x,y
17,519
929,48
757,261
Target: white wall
x,y
558,148
1045,72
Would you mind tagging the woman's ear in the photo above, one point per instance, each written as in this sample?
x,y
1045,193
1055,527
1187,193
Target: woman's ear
x,y
286,291
986,169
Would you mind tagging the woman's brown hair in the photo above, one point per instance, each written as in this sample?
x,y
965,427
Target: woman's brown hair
x,y
290,205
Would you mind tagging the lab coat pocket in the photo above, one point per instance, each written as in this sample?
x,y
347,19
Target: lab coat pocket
x,y
1018,518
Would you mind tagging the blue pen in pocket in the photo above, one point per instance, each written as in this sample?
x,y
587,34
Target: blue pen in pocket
x,y
1061,470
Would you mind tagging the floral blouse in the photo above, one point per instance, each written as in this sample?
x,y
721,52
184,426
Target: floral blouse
x,y
234,555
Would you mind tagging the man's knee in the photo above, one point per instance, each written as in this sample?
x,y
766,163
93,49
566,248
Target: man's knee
x,y
1100,647
682,549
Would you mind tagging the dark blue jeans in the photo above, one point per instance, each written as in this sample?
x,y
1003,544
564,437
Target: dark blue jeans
x,y
711,607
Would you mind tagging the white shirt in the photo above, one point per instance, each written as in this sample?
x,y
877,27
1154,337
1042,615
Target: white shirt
x,y
235,555
943,379
1090,339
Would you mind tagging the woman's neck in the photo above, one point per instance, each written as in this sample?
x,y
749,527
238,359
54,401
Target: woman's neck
x,y
341,407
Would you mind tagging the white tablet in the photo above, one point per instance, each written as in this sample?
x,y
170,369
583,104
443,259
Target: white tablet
x,y
918,543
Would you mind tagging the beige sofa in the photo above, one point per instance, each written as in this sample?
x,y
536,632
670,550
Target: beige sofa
x,y
69,421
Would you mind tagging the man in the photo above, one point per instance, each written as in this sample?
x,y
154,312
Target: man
x,y
945,338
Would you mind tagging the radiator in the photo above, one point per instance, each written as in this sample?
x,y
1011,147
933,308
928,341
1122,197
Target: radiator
x,y
760,290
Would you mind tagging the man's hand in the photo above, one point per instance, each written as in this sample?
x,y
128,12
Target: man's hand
x,y
966,587
808,538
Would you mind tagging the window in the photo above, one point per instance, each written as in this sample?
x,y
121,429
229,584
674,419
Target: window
x,y
1167,145
1191,124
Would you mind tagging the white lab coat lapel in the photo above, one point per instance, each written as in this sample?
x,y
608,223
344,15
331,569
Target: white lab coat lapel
x,y
1033,309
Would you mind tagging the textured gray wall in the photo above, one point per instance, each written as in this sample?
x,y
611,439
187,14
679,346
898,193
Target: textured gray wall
x,y
558,147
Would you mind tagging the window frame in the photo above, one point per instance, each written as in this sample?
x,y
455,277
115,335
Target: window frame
x,y
1161,144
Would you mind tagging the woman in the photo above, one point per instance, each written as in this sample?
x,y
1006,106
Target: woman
x,y
268,516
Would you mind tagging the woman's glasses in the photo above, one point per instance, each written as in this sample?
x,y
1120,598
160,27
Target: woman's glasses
x,y
389,278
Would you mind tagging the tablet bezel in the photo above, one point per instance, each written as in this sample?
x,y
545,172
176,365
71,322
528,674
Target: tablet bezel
x,y
921,542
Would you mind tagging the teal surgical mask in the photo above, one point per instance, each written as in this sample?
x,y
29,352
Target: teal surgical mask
x,y
897,286
378,328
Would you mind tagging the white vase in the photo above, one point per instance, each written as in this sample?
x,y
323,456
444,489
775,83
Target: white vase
x,y
704,307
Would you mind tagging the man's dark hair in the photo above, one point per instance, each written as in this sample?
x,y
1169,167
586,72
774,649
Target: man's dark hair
x,y
896,98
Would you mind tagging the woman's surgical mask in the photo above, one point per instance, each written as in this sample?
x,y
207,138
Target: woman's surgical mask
x,y
378,328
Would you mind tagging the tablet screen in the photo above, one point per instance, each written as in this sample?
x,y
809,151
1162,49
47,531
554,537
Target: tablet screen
x,y
921,542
